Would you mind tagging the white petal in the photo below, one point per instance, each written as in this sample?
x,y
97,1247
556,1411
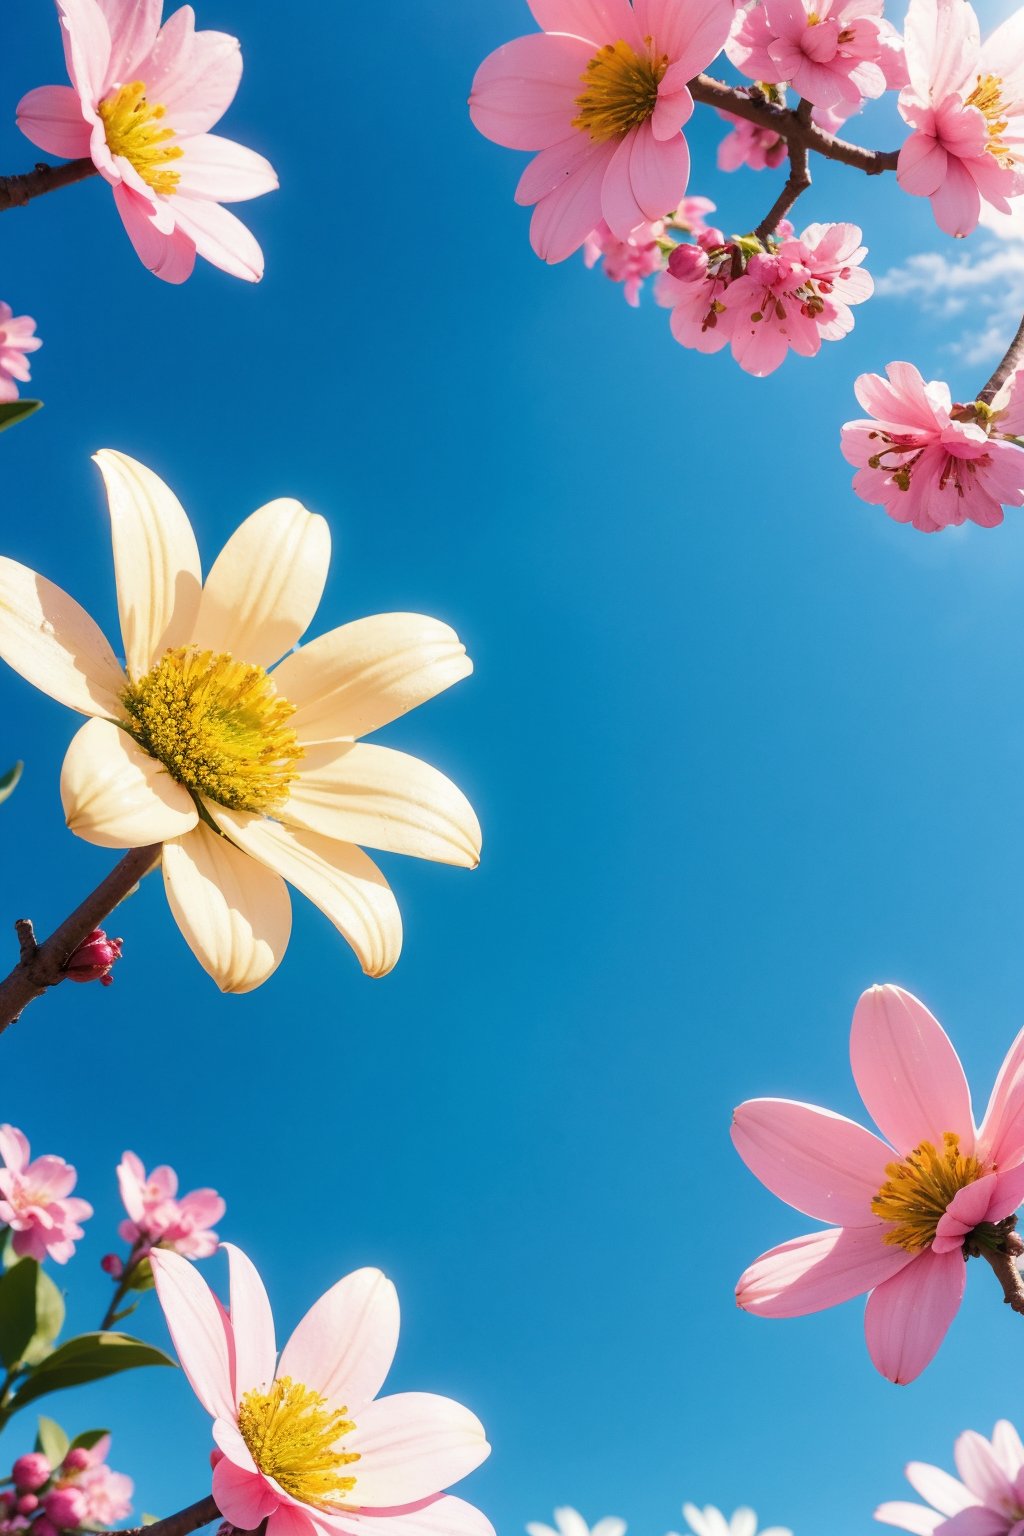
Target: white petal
x,y
265,584
373,795
117,796
47,637
234,913
365,674
341,880
156,561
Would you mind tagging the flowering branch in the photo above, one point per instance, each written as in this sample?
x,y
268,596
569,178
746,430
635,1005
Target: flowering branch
x,y
790,125
1013,360
797,182
181,1524
42,965
16,191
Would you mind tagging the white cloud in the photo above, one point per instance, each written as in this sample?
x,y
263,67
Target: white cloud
x,y
986,288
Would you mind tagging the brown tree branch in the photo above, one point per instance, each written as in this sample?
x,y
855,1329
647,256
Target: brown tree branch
x,y
797,182
41,965
1013,360
16,191
790,126
181,1524
1004,1267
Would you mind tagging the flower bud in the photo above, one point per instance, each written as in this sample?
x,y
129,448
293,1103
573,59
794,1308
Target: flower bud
x,y
31,1472
94,958
28,1504
77,1459
112,1265
688,262
66,1507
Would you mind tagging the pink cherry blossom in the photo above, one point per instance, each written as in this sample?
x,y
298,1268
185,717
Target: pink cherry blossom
x,y
142,100
965,103
157,1215
626,261
989,1501
747,144
17,339
904,1211
690,216
37,1203
832,52
107,1494
601,94
694,289
94,959
307,1444
928,462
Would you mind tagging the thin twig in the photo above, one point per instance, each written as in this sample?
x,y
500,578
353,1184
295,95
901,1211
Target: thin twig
x,y
789,126
1004,1267
1013,360
44,967
16,191
797,182
181,1524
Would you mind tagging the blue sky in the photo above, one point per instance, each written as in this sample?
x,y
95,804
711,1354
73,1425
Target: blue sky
x,y
740,746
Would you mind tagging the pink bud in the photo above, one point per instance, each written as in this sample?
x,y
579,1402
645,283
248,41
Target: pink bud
x,y
77,1459
688,263
28,1504
94,958
66,1507
112,1265
216,1455
30,1472
710,238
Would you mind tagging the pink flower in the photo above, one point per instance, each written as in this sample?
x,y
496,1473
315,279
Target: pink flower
x,y
94,959
156,1215
989,1501
831,53
693,288
17,338
142,100
906,1210
927,462
626,261
602,94
107,1494
965,103
747,144
66,1507
689,216
307,1443
31,1472
37,1203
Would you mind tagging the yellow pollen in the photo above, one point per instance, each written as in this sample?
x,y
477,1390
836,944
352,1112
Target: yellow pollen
x,y
621,91
813,19
218,726
989,102
132,127
292,1434
919,1189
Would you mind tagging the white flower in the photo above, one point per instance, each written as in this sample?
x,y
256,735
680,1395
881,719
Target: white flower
x,y
710,1521
569,1522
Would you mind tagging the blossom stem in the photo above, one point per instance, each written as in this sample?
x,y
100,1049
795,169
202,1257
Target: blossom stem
x,y
789,125
1004,1267
16,191
122,1288
1013,360
42,965
797,182
181,1524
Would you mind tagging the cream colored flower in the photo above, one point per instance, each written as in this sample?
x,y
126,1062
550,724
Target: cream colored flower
x,y
248,777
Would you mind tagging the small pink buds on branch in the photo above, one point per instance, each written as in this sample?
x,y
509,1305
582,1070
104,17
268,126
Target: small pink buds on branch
x,y
94,959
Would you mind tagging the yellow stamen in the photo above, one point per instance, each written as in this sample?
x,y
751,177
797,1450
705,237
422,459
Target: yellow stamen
x,y
621,91
131,124
989,102
218,726
919,1189
291,1433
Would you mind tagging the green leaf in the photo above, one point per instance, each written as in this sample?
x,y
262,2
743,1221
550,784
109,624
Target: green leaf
x,y
52,1441
140,1277
16,410
9,781
31,1314
88,1438
90,1357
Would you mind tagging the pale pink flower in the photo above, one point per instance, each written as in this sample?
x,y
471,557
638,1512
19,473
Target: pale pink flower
x,y
601,93
100,1496
37,1203
965,103
142,100
832,52
17,338
989,1501
926,461
627,262
66,1507
690,216
906,1210
156,1215
694,289
307,1443
746,144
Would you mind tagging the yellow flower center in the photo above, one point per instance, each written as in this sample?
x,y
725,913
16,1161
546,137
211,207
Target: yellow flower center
x,y
292,1434
218,726
989,102
621,91
132,127
918,1191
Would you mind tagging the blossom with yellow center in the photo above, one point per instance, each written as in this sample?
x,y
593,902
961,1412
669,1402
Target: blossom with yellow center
x,y
919,1190
249,774
620,91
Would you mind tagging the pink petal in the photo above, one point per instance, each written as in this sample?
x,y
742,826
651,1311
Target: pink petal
x,y
51,116
1001,1137
1006,1443
601,21
289,1520
979,1522
967,1210
193,74
645,179
909,1517
198,1330
907,1317
442,1515
242,1497
821,1270
219,237
171,257
1007,1194
86,39
525,94
921,167
252,1324
221,171
946,1493
564,218
14,1148
133,29
908,1073
692,34
957,202
979,1468
411,1445
344,1346
821,1164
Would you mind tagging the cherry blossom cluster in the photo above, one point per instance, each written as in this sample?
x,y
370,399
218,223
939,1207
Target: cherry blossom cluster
x,y
80,1493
